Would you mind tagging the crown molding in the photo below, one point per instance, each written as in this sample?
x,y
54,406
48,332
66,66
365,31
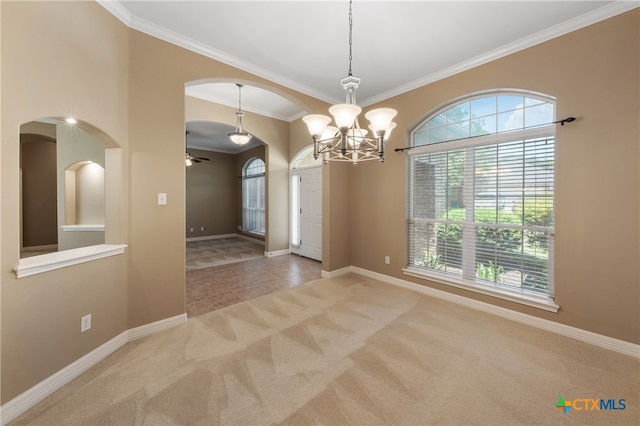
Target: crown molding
x,y
618,7
605,12
157,31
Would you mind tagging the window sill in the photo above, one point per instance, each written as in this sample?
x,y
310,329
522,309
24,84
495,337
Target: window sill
x,y
52,261
539,302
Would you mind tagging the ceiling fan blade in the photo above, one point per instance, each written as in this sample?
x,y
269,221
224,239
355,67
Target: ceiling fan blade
x,y
195,160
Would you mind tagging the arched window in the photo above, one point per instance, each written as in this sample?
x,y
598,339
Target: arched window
x,y
253,217
305,159
481,197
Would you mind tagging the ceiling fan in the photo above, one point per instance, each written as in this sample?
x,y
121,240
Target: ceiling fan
x,y
190,159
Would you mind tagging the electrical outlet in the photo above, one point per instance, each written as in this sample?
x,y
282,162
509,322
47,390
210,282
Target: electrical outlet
x,y
85,323
387,260
202,228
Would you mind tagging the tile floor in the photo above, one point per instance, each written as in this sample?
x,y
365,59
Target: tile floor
x,y
219,286
220,251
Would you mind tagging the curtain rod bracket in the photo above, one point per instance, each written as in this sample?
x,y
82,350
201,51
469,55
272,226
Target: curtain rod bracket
x,y
566,120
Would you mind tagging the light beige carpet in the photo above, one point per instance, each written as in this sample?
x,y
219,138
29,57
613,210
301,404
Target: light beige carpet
x,y
342,351
221,251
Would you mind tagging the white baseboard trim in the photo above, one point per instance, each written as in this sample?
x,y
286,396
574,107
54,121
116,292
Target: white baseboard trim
x,y
28,399
277,253
606,342
211,237
337,272
156,327
250,238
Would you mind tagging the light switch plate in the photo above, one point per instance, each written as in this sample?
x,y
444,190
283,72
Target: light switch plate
x,y
162,198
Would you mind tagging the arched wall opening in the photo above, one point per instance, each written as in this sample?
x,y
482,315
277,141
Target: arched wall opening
x,y
274,133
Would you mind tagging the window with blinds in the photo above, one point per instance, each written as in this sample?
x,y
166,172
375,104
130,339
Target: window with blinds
x,y
253,197
481,196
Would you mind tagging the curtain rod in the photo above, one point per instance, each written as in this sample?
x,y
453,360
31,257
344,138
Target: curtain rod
x,y
561,122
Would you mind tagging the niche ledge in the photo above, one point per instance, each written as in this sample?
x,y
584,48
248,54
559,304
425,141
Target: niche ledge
x,y
52,261
79,228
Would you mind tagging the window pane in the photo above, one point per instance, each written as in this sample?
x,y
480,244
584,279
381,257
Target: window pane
x,y
483,107
533,101
458,130
449,247
305,159
437,134
512,120
255,167
510,103
420,137
483,126
459,112
438,120
538,115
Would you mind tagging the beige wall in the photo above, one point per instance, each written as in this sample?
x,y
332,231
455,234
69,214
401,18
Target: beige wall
x,y
81,60
594,75
211,194
58,59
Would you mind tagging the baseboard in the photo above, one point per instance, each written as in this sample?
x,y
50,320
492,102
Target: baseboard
x,y
606,342
211,237
156,327
277,253
28,399
250,238
337,272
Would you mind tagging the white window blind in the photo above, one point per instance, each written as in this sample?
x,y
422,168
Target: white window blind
x,y
482,212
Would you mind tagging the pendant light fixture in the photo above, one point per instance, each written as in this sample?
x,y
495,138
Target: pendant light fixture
x,y
346,141
239,136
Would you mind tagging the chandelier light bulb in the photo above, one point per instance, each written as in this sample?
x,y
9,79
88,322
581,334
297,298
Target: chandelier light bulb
x,y
344,114
329,132
316,123
380,118
392,126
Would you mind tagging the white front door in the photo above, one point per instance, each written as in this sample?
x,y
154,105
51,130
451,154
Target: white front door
x,y
307,204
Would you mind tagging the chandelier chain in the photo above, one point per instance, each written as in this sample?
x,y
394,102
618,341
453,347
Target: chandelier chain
x,y
347,141
350,37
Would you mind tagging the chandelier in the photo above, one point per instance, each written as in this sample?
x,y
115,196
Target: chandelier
x,y
239,136
347,141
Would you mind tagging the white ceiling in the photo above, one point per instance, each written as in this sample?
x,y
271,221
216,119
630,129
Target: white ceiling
x,y
397,45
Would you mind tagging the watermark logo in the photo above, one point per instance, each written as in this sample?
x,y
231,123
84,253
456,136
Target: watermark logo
x,y
590,404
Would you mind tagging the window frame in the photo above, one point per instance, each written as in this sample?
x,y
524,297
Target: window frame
x,y
259,178
469,145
